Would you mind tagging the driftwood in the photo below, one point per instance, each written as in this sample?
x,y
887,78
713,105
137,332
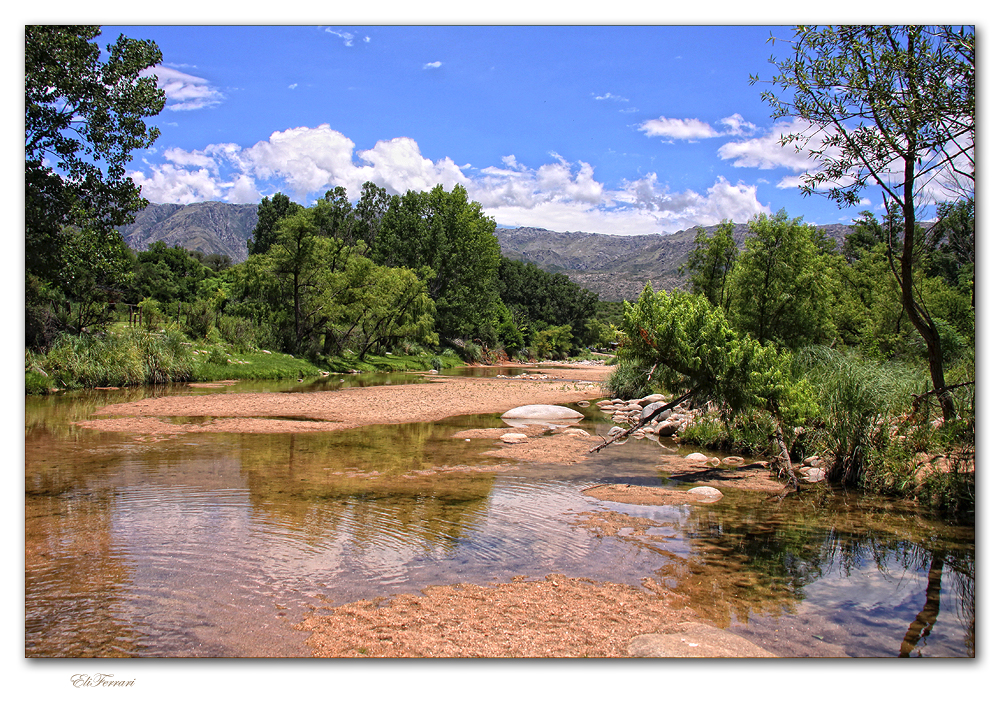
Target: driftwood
x,y
622,435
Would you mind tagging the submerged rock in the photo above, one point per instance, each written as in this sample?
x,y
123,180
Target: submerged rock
x,y
706,494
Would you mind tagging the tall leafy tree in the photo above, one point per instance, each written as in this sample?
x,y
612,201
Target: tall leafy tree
x,y
710,262
781,284
889,105
83,118
270,212
450,239
542,299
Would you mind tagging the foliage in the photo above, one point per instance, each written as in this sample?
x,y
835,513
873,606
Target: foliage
x,y
710,262
269,213
169,274
862,401
448,238
538,299
126,357
631,379
780,290
83,120
889,105
692,338
553,342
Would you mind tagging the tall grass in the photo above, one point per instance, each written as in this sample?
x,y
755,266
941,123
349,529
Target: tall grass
x,y
127,357
861,402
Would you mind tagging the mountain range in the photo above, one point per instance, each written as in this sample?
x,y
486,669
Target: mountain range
x,y
613,266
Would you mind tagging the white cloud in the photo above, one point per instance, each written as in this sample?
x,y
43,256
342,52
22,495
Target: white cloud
x,y
305,162
398,166
348,37
170,184
293,86
766,152
184,91
737,126
432,64
609,96
307,159
689,129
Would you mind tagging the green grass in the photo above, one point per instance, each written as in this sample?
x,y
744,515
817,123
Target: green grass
x,y
126,356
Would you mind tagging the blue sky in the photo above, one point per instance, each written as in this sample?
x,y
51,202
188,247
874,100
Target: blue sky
x,y
612,129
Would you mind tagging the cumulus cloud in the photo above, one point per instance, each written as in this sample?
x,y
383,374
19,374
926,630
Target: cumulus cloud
x,y
432,64
184,91
688,129
609,96
168,183
305,162
766,152
737,126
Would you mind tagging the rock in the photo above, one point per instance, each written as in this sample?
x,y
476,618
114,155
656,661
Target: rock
x,y
651,408
813,474
513,437
583,404
576,431
713,461
542,412
667,428
695,456
810,459
654,398
633,406
696,640
706,494
733,461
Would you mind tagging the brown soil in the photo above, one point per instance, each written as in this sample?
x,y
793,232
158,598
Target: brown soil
x,y
556,617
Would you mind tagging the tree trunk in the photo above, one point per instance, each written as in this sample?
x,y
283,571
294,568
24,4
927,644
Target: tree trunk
x,y
921,319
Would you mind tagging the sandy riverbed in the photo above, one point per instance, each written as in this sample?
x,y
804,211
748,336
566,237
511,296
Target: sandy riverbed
x,y
557,616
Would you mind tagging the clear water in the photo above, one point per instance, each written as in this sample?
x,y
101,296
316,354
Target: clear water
x,y
216,545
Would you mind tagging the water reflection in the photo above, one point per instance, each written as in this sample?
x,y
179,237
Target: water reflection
x,y
870,567
214,545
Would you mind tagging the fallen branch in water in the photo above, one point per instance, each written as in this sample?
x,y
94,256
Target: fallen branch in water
x,y
622,435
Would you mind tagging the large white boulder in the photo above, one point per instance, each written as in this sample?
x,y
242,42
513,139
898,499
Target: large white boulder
x,y
541,412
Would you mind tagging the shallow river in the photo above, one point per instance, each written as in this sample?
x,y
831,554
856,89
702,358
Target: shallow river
x,y
216,545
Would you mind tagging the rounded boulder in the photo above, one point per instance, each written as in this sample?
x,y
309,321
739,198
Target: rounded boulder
x,y
541,412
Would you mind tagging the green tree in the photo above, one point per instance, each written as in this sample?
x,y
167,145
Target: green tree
x,y
710,262
890,105
448,237
270,212
781,284
83,119
540,299
951,244
168,274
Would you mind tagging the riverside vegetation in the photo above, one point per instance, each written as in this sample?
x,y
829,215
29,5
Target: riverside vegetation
x,y
864,354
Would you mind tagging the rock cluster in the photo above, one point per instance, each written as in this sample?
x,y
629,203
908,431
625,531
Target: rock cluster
x,y
632,412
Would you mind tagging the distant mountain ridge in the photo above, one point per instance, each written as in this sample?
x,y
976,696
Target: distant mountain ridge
x,y
210,227
616,267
